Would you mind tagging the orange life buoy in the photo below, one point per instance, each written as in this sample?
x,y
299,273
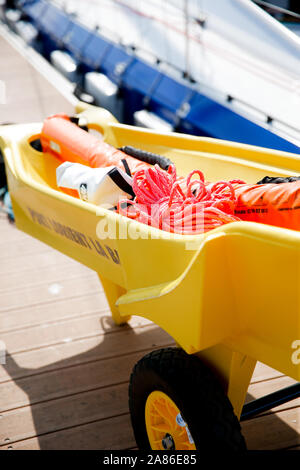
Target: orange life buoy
x,y
68,142
273,204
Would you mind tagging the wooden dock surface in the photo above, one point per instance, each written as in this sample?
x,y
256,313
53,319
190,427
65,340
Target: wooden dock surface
x,y
65,381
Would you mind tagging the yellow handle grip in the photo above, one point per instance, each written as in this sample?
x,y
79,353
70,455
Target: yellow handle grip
x,y
97,118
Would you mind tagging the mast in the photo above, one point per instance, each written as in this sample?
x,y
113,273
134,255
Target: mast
x,y
187,48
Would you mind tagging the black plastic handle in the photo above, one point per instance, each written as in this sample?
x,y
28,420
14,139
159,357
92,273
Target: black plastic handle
x,y
147,157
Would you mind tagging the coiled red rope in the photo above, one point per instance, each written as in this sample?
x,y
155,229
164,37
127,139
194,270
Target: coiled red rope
x,y
179,205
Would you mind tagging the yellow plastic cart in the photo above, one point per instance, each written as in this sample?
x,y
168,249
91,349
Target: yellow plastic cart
x,y
229,297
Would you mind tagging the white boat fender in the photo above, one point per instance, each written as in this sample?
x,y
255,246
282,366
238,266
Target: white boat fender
x,y
100,186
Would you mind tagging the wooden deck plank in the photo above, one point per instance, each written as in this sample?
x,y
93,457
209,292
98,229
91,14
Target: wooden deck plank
x,y
15,235
46,335
258,390
45,293
64,413
15,250
109,434
273,431
82,351
29,96
41,314
24,265
65,382
263,372
57,273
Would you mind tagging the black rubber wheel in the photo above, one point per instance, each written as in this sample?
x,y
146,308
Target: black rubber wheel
x,y
197,393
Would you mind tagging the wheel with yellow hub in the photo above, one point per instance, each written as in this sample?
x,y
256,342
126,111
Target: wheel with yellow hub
x,y
176,403
165,426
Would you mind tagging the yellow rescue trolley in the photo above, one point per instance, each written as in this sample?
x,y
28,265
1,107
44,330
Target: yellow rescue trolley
x,y
229,297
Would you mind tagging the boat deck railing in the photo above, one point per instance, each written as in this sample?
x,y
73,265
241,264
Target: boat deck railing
x,y
271,8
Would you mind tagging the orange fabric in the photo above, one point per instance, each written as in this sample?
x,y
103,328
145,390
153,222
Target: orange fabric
x,y
68,142
273,204
70,192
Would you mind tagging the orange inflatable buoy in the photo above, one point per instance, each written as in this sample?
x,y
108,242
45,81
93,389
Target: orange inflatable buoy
x,y
68,142
273,204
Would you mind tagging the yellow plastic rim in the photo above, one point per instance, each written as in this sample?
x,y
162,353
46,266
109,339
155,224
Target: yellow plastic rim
x,y
165,427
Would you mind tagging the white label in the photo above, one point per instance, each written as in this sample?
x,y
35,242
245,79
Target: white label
x,y
189,435
54,146
180,421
